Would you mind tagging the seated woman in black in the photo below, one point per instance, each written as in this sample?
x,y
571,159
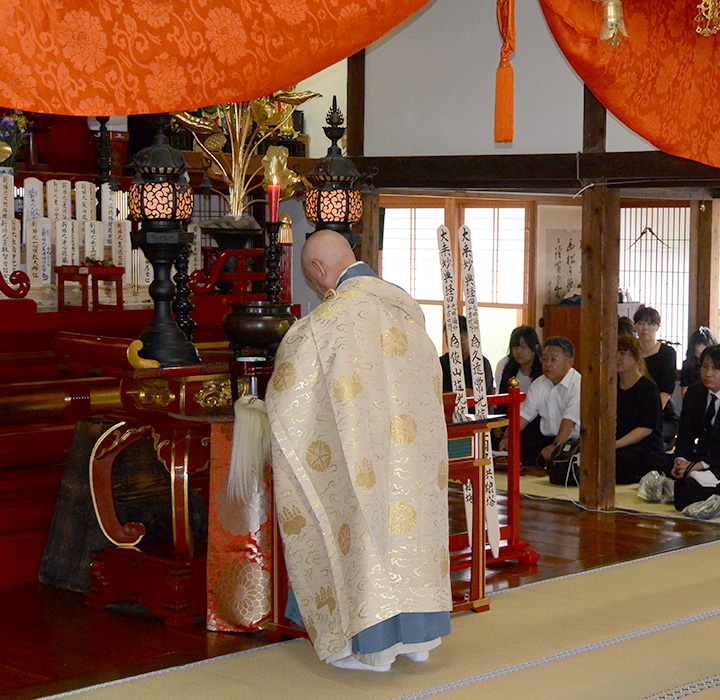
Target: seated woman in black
x,y
523,361
638,438
661,362
700,339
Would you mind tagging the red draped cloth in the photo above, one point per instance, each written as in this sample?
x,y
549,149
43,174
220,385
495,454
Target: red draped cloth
x,y
117,57
663,81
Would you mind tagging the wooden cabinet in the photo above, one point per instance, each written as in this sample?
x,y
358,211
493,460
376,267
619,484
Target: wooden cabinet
x,y
564,319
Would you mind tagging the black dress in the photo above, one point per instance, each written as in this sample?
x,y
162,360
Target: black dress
x,y
662,368
690,372
638,407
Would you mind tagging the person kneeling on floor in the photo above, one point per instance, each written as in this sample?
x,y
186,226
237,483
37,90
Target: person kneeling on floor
x,y
550,415
695,465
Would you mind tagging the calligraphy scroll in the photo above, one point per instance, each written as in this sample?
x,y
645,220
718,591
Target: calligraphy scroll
x,y
477,371
562,263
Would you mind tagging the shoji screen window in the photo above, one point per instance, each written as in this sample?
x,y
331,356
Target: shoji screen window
x,y
500,253
655,266
409,258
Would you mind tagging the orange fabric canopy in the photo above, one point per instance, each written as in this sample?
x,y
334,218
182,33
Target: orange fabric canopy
x,y
663,81
117,57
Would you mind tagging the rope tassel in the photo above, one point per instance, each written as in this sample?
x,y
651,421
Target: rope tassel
x,y
504,77
250,449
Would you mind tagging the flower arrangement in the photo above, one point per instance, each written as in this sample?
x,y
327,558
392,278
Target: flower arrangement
x,y
245,125
12,136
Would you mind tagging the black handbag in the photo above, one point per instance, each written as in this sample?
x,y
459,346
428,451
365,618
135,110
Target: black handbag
x,y
563,468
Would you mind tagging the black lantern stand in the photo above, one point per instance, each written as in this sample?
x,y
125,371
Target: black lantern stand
x,y
334,202
162,205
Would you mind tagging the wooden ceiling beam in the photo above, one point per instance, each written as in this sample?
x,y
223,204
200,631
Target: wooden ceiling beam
x,y
546,172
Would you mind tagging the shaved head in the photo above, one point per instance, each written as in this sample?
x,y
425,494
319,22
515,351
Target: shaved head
x,y
325,255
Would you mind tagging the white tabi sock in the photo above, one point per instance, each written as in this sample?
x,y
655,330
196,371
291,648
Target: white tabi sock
x,y
350,662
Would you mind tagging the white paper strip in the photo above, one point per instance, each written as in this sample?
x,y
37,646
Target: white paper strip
x,y
9,247
85,201
145,271
33,203
121,246
39,264
108,203
59,202
94,239
7,196
195,262
478,381
452,327
65,237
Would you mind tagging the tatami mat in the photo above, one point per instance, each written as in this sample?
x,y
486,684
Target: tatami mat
x,y
626,497
627,631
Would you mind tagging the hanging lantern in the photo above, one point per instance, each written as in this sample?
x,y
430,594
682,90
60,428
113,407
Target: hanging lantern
x,y
333,201
612,22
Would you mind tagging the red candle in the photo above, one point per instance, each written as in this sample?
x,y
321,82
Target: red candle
x,y
273,200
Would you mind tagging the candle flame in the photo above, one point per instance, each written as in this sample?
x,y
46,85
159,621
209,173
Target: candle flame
x,y
274,179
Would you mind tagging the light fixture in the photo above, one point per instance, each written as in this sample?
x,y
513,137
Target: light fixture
x,y
163,204
333,202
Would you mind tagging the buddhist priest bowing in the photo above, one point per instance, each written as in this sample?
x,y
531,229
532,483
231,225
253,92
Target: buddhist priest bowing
x,y
360,467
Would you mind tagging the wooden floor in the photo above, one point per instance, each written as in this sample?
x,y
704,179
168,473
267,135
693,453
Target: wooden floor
x,y
52,643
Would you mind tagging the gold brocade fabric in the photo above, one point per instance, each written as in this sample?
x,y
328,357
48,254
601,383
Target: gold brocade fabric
x,y
359,442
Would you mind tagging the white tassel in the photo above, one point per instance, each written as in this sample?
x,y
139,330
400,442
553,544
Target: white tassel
x,y
250,449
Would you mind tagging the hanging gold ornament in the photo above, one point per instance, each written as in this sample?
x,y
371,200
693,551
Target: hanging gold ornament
x,y
612,22
707,21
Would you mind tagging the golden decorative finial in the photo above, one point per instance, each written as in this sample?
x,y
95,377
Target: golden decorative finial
x,y
612,22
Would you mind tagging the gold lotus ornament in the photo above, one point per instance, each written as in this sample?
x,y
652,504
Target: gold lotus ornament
x,y
245,125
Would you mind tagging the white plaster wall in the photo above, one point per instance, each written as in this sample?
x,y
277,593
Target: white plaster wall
x,y
329,82
302,292
430,87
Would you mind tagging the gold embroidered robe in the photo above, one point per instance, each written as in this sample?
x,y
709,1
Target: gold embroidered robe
x,y
360,462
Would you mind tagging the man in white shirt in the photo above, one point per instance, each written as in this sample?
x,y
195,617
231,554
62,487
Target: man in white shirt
x,y
550,415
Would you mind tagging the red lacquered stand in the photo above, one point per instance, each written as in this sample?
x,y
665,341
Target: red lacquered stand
x,y
465,449
512,547
177,407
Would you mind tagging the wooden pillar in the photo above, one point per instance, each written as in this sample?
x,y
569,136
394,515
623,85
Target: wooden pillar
x,y
370,229
598,338
594,124
704,265
356,104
